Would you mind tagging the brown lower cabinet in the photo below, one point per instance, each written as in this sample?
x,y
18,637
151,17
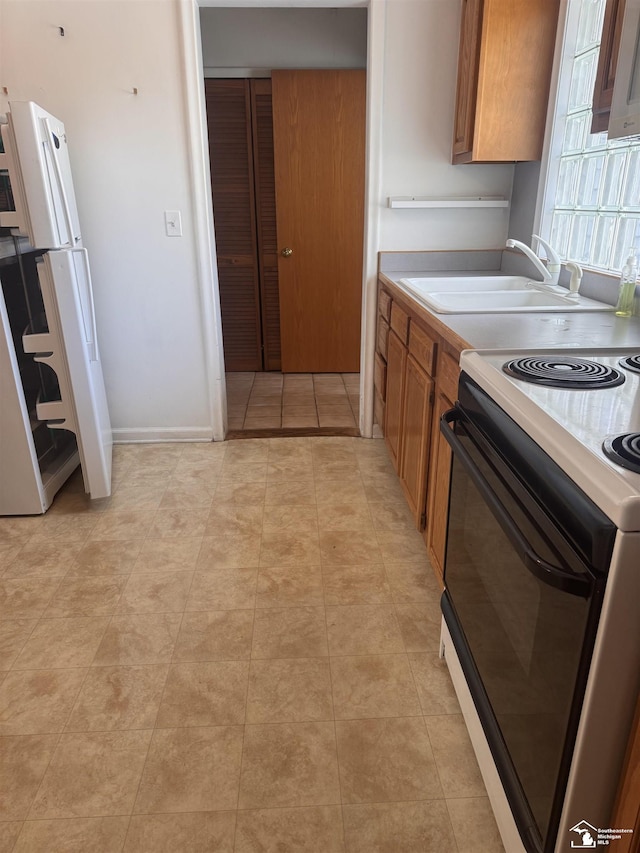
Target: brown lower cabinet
x,y
416,429
626,813
416,380
396,370
440,470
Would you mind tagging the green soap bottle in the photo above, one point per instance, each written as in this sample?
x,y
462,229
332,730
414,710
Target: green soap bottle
x,y
628,279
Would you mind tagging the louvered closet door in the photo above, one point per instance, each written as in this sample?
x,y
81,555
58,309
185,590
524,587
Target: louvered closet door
x,y
241,155
231,157
265,188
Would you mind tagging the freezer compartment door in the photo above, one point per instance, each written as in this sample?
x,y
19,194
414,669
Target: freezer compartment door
x,y
72,351
37,159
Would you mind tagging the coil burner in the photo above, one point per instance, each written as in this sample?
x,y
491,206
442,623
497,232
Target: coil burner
x,y
631,362
624,450
563,372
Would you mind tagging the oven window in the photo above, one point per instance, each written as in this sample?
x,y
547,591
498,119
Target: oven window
x,y
525,637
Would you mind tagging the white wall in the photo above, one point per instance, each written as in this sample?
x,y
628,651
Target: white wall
x,y
130,162
420,67
269,38
526,178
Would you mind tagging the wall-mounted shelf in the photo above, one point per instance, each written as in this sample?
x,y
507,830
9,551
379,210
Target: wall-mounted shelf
x,y
408,201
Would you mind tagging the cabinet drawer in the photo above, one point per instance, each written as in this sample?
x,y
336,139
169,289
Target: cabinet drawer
x,y
448,373
382,337
384,305
380,376
400,322
422,347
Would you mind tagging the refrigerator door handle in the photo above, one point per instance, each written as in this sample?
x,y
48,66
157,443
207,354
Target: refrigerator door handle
x,y
88,309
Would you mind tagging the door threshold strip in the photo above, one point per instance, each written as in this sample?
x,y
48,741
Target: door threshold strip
x,y
291,432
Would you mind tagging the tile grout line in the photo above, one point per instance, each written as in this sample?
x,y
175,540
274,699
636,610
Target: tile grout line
x,y
395,600
250,661
164,687
333,710
404,644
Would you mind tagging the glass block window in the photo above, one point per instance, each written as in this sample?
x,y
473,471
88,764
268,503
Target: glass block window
x,y
593,185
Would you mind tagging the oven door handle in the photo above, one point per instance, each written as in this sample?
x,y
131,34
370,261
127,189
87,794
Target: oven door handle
x,y
546,572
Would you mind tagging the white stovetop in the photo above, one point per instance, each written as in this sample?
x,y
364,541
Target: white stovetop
x,y
570,424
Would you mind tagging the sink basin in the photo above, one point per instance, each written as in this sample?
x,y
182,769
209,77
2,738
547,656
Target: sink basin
x,y
490,294
502,301
466,283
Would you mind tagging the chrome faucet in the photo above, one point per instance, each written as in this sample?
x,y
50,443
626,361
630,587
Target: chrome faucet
x,y
549,273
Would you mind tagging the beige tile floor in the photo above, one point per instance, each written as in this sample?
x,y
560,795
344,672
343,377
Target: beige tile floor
x,y
236,652
292,400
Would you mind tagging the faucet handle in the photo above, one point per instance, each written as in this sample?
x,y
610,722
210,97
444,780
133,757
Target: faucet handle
x,y
554,262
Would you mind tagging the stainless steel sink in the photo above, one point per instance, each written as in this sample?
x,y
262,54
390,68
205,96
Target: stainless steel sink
x,y
494,294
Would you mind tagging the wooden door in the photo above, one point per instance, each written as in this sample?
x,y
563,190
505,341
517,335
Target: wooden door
x,y
242,183
319,145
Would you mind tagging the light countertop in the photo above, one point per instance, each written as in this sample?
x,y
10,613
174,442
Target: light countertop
x,y
594,329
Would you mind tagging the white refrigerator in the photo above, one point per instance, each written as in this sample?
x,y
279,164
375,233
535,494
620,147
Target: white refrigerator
x,y
53,405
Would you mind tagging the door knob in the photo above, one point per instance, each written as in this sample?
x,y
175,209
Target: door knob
x,y
286,252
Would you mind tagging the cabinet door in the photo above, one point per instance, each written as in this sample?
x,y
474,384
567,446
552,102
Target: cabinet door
x,y
416,432
396,361
607,59
439,476
505,60
627,808
468,59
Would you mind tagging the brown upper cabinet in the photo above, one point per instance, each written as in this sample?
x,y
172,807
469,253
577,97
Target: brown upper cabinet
x,y
607,59
504,71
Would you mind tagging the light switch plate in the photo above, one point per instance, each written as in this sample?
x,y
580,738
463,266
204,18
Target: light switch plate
x,y
173,223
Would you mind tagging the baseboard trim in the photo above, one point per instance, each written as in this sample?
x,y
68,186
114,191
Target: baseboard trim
x,y
151,435
155,435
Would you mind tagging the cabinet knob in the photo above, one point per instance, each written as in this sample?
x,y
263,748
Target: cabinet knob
x,y
286,252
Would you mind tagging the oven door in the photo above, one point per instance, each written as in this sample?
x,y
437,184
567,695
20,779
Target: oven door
x,y
524,575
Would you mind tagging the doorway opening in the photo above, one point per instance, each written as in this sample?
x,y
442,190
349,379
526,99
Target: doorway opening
x,y
315,385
